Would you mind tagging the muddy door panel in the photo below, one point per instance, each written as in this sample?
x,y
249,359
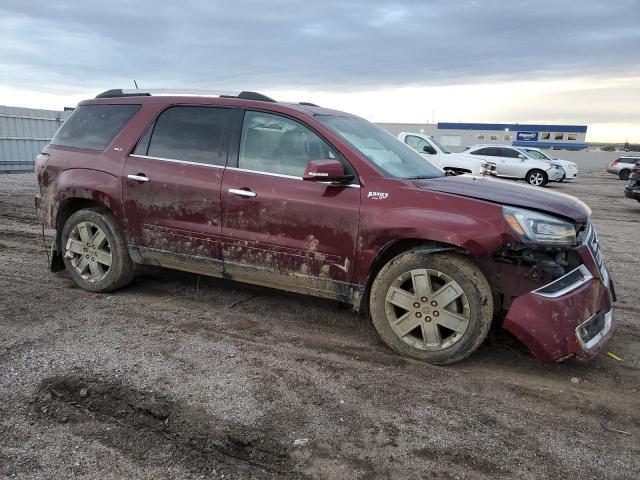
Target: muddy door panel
x,y
177,209
293,231
172,187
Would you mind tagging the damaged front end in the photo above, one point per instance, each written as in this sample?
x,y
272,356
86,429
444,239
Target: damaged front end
x,y
556,295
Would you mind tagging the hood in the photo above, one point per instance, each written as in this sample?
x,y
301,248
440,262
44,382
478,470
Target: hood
x,y
511,193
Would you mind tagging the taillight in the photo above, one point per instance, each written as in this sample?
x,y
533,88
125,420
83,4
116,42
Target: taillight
x,y
41,163
614,163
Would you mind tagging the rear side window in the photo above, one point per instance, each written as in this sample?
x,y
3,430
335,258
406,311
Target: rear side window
x,y
192,134
489,151
509,153
93,126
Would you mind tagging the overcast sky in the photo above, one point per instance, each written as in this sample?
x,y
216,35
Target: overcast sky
x,y
570,61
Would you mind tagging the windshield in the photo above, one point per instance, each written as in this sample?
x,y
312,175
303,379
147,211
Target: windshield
x,y
539,155
389,154
440,146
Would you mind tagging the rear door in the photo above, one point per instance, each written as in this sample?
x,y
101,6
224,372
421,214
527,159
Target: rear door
x,y
172,185
279,229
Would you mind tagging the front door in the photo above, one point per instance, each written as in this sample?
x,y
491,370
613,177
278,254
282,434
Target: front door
x,y
172,187
279,230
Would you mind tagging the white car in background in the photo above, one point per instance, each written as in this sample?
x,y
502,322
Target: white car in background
x,y
516,164
440,156
570,168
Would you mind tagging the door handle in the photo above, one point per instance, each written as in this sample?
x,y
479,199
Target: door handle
x,y
242,193
141,177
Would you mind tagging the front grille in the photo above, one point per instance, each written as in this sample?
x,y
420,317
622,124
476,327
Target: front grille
x,y
591,241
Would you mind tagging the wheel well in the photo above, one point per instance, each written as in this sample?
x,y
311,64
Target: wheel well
x,y
390,251
68,208
535,170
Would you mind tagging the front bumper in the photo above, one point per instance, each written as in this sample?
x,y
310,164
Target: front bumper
x,y
555,174
570,317
570,173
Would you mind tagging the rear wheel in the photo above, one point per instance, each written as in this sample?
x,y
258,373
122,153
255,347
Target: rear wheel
x,y
624,174
95,252
537,178
436,308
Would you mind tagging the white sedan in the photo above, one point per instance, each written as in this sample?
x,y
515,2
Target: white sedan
x,y
516,164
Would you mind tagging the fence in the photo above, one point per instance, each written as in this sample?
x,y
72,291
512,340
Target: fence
x,y
23,134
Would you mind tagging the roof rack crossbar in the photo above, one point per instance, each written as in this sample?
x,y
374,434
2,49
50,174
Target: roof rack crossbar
x,y
125,92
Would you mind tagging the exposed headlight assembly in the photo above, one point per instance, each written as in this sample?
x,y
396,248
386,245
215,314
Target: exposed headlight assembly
x,y
538,229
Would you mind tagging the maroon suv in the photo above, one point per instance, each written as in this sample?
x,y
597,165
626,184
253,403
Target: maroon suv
x,y
311,200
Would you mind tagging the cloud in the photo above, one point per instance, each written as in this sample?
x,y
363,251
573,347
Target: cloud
x,y
332,45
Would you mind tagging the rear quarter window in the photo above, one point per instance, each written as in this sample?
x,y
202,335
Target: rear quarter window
x,y
93,126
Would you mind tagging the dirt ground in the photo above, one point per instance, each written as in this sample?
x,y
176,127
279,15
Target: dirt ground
x,y
180,376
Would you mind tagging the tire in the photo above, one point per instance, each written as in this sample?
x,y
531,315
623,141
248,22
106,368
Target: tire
x,y
97,263
473,308
624,174
537,178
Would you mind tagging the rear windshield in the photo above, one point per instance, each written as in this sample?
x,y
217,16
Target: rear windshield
x,y
93,126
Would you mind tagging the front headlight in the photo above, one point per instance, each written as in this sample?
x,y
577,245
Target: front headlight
x,y
539,229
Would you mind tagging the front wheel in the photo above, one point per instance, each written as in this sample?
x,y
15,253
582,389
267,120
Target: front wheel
x,y
95,252
436,308
537,178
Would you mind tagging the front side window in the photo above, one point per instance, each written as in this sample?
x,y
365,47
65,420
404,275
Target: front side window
x,y
394,158
275,144
191,134
416,143
93,126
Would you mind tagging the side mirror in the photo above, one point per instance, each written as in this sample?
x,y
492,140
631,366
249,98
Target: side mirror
x,y
522,157
327,170
429,149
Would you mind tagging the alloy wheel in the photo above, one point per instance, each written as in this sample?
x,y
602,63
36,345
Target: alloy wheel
x,y
89,250
427,309
536,178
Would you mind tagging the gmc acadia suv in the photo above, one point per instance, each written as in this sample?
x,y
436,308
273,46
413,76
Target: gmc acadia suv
x,y
311,200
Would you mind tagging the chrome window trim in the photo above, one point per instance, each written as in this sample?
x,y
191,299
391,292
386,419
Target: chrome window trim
x,y
280,175
586,276
589,345
174,160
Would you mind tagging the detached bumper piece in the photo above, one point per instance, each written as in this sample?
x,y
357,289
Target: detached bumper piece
x,y
569,317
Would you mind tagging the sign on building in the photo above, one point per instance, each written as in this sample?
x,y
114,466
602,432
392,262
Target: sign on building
x,y
527,136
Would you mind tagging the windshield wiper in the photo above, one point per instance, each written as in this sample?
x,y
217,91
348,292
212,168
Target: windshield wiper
x,y
419,177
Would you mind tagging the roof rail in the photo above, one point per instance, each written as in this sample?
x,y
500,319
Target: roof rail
x,y
122,92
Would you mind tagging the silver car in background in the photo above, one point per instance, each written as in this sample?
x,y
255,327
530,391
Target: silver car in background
x,y
515,163
570,168
622,166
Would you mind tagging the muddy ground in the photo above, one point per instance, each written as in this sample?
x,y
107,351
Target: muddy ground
x,y
180,376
